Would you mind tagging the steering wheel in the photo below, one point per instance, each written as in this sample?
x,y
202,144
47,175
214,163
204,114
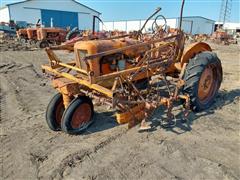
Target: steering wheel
x,y
156,26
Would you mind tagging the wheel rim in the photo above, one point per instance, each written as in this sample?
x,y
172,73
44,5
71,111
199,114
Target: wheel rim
x,y
59,112
207,84
81,116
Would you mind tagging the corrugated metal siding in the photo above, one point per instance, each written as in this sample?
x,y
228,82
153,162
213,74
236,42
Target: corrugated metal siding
x,y
61,19
134,25
4,15
191,25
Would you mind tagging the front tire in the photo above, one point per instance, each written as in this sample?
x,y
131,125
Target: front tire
x,y
78,116
43,44
54,112
203,77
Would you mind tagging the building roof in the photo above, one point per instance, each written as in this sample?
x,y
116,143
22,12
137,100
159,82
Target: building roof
x,y
85,6
198,17
71,0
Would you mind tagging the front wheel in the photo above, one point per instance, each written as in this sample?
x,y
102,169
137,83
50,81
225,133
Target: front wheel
x,y
78,116
203,77
43,44
22,40
54,112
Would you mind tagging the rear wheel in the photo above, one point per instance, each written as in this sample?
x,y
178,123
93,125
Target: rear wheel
x,y
78,116
203,77
72,34
54,112
32,42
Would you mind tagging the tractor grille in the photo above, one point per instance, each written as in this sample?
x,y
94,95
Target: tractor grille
x,y
82,54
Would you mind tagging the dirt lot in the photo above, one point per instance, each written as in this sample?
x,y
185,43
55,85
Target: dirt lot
x,y
29,150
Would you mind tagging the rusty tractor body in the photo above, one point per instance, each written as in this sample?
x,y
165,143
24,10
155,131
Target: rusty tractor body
x,y
42,37
222,37
47,36
22,35
32,33
134,75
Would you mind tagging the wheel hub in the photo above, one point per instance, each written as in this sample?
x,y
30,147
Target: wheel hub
x,y
206,84
81,116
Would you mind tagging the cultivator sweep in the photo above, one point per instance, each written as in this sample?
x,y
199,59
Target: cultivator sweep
x,y
134,74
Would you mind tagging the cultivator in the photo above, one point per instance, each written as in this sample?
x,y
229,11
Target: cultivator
x,y
134,74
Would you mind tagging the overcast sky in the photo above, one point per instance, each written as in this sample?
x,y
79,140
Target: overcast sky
x,y
140,9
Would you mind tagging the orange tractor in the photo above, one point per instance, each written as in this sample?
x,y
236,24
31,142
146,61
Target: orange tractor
x,y
28,34
42,37
134,75
22,35
220,36
47,36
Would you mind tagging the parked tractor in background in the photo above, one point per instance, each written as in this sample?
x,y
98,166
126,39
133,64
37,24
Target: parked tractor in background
x,y
42,36
76,35
50,36
22,35
221,36
28,34
134,75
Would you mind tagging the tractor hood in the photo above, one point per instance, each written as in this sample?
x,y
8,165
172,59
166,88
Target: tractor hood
x,y
97,46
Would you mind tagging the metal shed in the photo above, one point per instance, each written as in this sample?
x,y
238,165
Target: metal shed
x,y
57,13
191,25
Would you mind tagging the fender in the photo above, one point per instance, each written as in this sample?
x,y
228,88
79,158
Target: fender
x,y
193,49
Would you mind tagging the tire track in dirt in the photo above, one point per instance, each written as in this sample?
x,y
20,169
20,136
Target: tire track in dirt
x,y
77,158
227,172
7,158
13,67
12,140
21,122
6,154
1,133
119,160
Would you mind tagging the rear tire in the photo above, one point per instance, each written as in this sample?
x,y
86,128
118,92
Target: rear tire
x,y
203,77
78,116
54,112
72,34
